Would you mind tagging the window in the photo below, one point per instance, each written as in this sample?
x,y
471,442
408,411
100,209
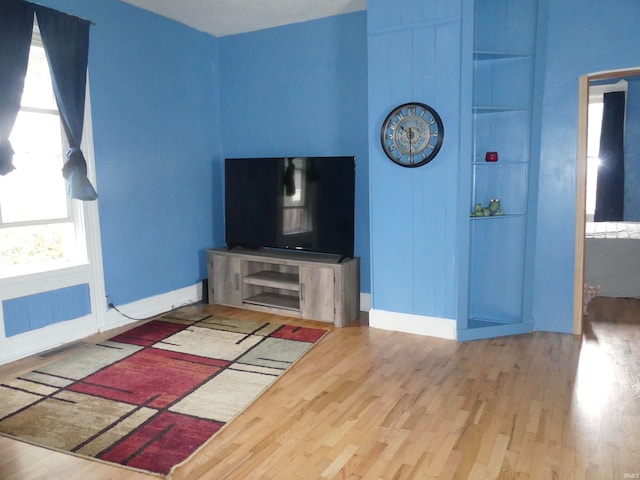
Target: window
x,y
593,149
40,228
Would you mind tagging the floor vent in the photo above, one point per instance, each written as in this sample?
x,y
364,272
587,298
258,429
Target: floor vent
x,y
59,350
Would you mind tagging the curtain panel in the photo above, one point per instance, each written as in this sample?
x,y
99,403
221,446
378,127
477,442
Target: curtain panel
x,y
66,43
16,26
610,183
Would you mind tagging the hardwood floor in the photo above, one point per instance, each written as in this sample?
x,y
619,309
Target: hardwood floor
x,y
372,404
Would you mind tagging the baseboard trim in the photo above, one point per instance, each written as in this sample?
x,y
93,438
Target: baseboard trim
x,y
52,336
151,306
416,324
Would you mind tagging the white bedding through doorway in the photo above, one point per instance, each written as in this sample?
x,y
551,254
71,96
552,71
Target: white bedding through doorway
x,y
613,230
612,258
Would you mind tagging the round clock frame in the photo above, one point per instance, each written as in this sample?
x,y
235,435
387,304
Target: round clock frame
x,y
412,134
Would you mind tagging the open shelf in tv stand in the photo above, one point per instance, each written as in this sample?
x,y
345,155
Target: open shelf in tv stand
x,y
306,285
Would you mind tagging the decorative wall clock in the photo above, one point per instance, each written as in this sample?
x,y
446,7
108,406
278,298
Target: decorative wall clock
x,y
412,134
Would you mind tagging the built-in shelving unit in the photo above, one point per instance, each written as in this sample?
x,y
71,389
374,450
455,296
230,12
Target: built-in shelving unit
x,y
503,72
313,286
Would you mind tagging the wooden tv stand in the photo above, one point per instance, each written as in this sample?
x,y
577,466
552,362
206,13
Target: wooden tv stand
x,y
307,285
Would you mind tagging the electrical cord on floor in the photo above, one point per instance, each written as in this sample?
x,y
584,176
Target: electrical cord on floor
x,y
111,305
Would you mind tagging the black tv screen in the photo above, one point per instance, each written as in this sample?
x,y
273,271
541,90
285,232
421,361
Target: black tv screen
x,y
301,203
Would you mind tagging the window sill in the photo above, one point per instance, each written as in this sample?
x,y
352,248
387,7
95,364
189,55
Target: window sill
x,y
64,274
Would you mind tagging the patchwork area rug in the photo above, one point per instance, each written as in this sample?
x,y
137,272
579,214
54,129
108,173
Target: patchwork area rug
x,y
148,398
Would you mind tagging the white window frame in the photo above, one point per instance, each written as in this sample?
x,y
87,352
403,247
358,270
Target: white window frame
x,y
89,272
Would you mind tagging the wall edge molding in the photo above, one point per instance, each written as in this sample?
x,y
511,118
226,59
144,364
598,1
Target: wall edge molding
x,y
411,323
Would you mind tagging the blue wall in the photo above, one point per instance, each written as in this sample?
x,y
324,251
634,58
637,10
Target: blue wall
x,y
581,38
154,98
301,90
415,55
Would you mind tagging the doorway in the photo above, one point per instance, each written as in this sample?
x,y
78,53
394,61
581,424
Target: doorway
x,y
581,187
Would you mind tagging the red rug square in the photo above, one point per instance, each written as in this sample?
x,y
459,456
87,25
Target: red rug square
x,y
149,333
301,334
165,441
151,377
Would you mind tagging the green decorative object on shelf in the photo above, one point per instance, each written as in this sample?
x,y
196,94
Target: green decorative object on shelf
x,y
492,210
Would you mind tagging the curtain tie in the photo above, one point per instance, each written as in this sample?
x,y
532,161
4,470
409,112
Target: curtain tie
x,y
75,163
75,172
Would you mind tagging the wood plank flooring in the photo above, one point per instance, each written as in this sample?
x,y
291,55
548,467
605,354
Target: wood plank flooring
x,y
373,404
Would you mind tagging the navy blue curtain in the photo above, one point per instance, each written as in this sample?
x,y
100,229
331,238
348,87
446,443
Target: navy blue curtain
x,y
16,26
66,42
610,183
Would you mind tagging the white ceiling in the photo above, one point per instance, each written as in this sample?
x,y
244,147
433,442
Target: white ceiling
x,y
228,17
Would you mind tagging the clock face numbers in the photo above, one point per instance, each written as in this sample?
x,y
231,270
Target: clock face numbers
x,y
412,134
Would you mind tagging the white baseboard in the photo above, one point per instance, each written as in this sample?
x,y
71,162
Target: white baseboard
x,y
151,306
410,323
365,302
52,336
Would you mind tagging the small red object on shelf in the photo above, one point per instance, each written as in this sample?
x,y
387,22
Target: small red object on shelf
x,y
491,157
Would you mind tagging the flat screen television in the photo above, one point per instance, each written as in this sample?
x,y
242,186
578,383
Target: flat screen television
x,y
300,203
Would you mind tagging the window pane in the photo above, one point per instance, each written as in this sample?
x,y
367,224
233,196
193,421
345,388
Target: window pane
x,y
592,183
38,90
24,246
593,150
594,127
35,190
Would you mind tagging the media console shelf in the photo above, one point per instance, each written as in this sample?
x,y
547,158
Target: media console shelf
x,y
306,285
